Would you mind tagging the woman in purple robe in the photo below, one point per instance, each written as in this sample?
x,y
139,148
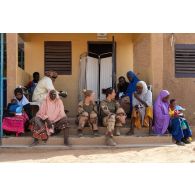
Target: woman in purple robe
x,y
161,113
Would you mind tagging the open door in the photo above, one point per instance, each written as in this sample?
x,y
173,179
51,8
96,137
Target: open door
x,y
106,74
98,68
92,77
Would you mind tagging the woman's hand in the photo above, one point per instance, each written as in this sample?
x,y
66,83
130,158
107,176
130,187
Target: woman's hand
x,y
49,124
63,94
138,98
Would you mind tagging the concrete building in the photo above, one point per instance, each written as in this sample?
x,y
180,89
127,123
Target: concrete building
x,y
165,61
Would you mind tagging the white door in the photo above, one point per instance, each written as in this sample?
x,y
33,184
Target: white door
x,y
82,76
105,75
92,75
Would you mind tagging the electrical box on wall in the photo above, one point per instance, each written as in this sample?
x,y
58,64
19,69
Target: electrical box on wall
x,y
102,36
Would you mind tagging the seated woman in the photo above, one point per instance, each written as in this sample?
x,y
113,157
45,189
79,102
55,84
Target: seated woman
x,y
15,119
142,113
44,86
161,113
87,113
126,101
50,119
22,101
112,116
179,127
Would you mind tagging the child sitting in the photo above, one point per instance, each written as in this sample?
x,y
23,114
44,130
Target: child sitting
x,y
15,118
179,126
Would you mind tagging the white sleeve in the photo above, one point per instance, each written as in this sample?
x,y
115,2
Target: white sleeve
x,y
134,100
49,85
148,98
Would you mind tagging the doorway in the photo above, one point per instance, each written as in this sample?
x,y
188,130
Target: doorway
x,y
101,65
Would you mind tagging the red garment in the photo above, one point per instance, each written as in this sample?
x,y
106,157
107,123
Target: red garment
x,y
15,124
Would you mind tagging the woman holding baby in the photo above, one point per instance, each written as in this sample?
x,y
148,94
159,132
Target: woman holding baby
x,y
170,117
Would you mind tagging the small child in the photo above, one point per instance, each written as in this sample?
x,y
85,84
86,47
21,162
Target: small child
x,y
15,119
176,111
172,109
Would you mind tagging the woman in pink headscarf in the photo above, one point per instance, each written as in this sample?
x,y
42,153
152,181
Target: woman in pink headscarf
x,y
161,113
50,119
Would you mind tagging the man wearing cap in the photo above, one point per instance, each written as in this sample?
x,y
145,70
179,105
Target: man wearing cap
x,y
44,86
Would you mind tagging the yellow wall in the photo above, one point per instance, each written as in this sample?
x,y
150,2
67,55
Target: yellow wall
x,y
22,77
148,59
34,59
181,89
142,56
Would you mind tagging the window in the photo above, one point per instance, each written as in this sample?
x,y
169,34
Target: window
x,y
185,60
58,57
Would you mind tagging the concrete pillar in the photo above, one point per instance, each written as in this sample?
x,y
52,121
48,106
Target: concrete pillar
x,y
156,60
12,63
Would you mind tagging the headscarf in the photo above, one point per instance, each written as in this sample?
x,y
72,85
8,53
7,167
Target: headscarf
x,y
132,86
24,100
144,86
51,109
146,94
161,113
51,73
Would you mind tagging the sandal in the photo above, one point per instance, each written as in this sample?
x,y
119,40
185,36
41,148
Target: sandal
x,y
180,143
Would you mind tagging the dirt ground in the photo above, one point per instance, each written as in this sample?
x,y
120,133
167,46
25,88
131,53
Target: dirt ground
x,y
157,154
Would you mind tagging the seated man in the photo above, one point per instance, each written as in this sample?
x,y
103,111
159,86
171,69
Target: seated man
x,y
32,84
112,116
45,85
142,113
121,87
87,113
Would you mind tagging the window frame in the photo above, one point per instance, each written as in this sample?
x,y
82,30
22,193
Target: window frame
x,y
60,66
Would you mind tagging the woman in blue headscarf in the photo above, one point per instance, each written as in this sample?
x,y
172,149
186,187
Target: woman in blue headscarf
x,y
133,80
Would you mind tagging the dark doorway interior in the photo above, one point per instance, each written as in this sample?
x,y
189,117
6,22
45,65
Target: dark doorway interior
x,y
100,48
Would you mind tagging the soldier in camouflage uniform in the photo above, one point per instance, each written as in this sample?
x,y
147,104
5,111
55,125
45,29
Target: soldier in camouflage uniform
x,y
87,113
113,116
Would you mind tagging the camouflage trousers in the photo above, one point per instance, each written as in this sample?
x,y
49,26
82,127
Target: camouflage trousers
x,y
88,119
114,120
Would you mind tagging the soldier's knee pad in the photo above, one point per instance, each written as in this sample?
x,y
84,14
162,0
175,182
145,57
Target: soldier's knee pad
x,y
85,114
120,111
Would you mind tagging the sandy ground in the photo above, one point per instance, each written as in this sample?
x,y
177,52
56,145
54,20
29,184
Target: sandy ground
x,y
157,154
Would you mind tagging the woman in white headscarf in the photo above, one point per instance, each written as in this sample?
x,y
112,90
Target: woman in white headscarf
x,y
142,113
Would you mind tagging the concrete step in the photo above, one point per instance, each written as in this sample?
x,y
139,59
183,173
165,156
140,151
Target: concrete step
x,y
86,147
102,131
140,139
90,141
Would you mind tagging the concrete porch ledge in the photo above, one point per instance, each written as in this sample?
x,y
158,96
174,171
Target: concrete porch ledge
x,y
90,142
78,147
